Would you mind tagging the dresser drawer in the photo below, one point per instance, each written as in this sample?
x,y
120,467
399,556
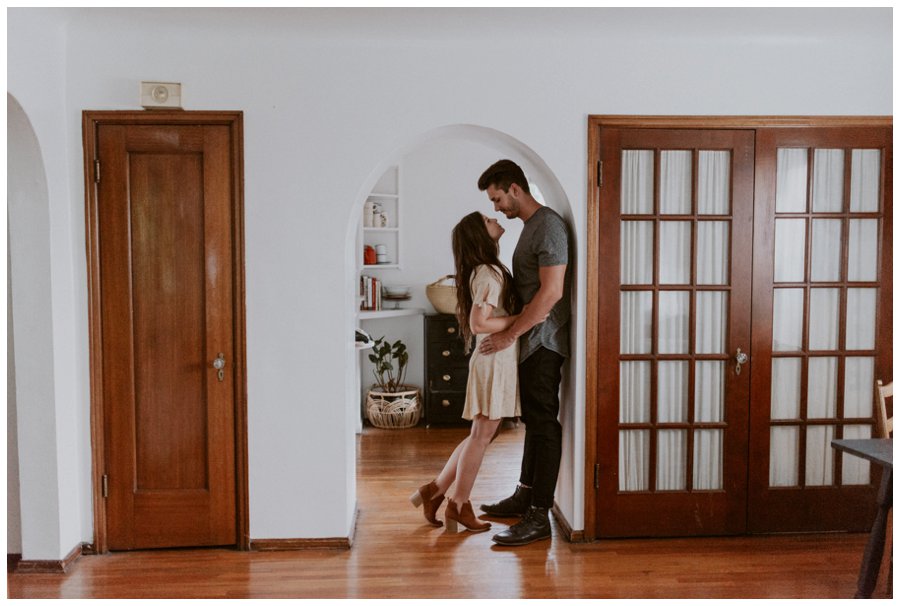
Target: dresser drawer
x,y
445,407
447,353
448,379
442,328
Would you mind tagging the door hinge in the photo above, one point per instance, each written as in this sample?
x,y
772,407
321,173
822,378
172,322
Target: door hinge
x,y
105,486
596,475
96,171
599,173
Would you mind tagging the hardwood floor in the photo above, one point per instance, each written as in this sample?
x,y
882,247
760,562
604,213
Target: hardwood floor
x,y
396,554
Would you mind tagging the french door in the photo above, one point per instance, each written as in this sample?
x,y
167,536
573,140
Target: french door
x,y
822,323
738,279
676,218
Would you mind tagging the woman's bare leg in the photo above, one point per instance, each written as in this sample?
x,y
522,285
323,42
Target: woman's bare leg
x,y
470,453
448,473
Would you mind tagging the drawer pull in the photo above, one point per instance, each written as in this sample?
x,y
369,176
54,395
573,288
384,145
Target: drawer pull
x,y
446,377
446,353
445,403
451,330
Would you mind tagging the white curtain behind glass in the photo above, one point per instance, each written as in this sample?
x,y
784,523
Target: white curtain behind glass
x,y
865,177
854,469
674,252
862,265
674,321
819,455
790,187
828,180
826,250
675,182
824,318
637,252
713,250
637,182
714,183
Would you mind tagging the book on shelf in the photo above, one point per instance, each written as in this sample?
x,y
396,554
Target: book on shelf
x,y
370,293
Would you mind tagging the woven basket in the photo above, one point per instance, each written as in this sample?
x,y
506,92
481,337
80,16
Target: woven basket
x,y
393,410
442,296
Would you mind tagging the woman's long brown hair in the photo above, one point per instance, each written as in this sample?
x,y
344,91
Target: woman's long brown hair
x,y
473,246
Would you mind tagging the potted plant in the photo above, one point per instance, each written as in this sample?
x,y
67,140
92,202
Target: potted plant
x,y
391,404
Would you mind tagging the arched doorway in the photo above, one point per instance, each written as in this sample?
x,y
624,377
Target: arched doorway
x,y
486,145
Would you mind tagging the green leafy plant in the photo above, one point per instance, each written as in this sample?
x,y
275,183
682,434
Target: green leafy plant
x,y
384,356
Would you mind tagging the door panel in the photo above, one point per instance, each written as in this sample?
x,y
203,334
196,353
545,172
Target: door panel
x,y
675,220
166,289
821,323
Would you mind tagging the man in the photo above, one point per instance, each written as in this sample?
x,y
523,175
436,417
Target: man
x,y
542,278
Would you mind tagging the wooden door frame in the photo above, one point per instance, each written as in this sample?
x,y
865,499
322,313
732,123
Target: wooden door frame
x,y
91,120
594,245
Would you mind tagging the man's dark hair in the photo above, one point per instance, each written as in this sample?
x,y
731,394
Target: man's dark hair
x,y
502,174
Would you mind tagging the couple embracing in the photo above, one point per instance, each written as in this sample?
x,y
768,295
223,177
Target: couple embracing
x,y
519,324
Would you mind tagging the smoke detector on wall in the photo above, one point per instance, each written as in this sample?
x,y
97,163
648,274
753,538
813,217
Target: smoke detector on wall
x,y
160,94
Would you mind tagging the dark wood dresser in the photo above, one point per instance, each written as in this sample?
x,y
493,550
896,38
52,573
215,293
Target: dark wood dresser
x,y
446,371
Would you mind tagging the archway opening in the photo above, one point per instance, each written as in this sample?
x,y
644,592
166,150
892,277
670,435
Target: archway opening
x,y
437,173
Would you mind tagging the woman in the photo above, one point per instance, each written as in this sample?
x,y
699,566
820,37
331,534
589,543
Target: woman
x,y
485,298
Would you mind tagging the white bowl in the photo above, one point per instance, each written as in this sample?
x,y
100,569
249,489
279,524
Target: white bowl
x,y
398,291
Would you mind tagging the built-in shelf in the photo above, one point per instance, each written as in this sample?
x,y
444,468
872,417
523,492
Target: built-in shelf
x,y
391,313
380,225
382,266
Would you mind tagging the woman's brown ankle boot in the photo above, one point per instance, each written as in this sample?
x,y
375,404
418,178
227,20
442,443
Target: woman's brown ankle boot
x,y
429,499
463,515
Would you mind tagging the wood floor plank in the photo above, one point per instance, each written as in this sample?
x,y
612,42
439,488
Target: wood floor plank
x,y
396,554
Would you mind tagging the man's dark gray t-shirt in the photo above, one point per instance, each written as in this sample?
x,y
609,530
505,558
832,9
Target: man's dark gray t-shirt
x,y
544,242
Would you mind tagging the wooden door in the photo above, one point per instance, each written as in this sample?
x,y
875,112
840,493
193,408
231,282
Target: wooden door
x,y
675,225
810,223
822,323
168,281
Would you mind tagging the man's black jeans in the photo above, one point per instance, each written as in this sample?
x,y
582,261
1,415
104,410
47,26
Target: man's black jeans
x,y
539,378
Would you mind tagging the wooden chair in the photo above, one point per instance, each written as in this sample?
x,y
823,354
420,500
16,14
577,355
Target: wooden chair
x,y
885,425
883,429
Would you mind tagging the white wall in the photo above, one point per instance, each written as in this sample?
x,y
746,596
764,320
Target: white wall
x,y
328,97
13,510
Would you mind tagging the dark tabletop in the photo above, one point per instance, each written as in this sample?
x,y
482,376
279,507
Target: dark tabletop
x,y
879,451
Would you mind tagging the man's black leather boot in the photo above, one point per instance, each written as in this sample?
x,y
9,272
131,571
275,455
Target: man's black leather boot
x,y
515,506
535,526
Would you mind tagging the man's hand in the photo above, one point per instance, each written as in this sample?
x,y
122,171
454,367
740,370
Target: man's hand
x,y
496,342
499,341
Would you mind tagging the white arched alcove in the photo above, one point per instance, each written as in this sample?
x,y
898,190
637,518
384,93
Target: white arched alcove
x,y
43,495
492,145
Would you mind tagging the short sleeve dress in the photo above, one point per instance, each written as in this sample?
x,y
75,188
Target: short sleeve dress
x,y
493,386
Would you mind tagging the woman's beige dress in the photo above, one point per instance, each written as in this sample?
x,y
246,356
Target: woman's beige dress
x,y
493,387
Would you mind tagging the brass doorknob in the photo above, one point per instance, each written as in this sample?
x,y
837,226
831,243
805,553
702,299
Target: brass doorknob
x,y
219,365
740,358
